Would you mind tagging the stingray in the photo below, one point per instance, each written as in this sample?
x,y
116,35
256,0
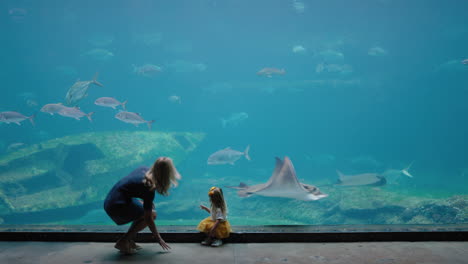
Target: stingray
x,y
283,183
369,179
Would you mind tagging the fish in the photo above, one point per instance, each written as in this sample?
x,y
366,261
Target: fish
x,y
15,146
342,69
99,54
31,103
465,61
52,108
393,175
133,118
29,98
175,99
299,6
110,102
147,70
15,117
365,179
268,72
79,90
74,112
405,171
234,119
282,183
377,51
299,49
321,67
227,156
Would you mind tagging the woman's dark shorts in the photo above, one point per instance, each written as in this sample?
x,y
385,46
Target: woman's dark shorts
x,y
125,213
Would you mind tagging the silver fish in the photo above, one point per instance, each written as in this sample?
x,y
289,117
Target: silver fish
x,y
393,175
227,156
298,6
175,99
234,119
99,54
15,146
52,108
371,179
268,72
331,56
15,117
132,118
110,102
147,70
79,90
74,112
299,49
377,51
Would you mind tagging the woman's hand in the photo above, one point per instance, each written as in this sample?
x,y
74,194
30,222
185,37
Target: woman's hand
x,y
163,244
203,207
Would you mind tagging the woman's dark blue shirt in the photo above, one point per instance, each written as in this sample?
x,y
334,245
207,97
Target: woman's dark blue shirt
x,y
131,186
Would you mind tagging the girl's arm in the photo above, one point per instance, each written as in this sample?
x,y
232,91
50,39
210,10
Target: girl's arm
x,y
148,217
205,208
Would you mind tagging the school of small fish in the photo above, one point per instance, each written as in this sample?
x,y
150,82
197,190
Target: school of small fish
x,y
75,94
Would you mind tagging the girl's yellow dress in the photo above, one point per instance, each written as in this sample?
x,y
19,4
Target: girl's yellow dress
x,y
224,228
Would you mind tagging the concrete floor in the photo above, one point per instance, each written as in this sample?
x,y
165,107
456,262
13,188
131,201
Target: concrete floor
x,y
321,253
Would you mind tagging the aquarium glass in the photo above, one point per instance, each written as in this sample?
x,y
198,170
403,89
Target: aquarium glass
x,y
304,112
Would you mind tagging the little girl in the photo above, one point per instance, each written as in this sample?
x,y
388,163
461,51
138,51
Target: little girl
x,y
216,227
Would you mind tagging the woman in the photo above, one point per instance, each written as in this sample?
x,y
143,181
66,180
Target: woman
x,y
123,202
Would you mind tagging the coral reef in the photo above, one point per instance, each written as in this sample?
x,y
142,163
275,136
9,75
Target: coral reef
x,y
389,204
448,211
79,169
356,205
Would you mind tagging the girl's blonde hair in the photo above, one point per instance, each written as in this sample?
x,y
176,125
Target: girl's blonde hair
x,y
217,200
161,175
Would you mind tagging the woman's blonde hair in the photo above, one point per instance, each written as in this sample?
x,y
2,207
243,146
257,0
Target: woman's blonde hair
x,y
217,200
161,175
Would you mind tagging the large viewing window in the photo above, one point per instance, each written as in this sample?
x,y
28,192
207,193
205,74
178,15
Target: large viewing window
x,y
303,112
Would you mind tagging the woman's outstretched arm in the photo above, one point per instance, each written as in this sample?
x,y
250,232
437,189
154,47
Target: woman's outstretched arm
x,y
150,221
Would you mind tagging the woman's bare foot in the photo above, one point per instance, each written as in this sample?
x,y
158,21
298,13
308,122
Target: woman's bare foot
x,y
124,246
134,245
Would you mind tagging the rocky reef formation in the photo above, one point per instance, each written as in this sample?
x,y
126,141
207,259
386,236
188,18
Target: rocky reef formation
x,y
355,205
78,170
361,205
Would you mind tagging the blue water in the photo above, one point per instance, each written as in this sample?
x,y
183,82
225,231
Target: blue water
x,y
408,104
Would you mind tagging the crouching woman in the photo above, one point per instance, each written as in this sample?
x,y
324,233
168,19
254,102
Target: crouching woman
x,y
131,200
